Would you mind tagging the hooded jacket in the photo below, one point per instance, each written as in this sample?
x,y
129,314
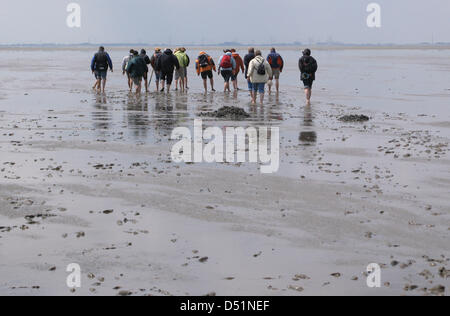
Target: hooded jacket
x,y
167,62
239,63
183,59
304,61
137,67
253,70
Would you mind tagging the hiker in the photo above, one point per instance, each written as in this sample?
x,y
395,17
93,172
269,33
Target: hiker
x,y
147,62
259,72
205,67
189,62
308,68
153,62
167,63
247,59
227,65
137,68
277,63
99,66
125,62
239,66
180,74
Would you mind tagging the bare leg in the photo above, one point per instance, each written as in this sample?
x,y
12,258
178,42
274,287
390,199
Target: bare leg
x,y
212,84
261,97
186,83
277,85
168,88
205,85
308,94
104,85
146,83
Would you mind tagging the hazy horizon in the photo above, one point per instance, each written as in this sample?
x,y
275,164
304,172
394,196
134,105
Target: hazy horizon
x,y
201,22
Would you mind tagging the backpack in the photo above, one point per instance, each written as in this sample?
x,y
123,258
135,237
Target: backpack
x,y
226,62
261,70
274,60
182,59
203,61
101,61
310,65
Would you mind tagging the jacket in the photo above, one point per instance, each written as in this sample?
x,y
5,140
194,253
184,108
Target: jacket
x,y
233,63
276,61
253,70
167,62
304,61
137,67
101,61
247,59
154,60
239,63
211,64
183,59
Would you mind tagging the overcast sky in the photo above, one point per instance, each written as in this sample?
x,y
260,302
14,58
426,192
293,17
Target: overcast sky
x,y
214,21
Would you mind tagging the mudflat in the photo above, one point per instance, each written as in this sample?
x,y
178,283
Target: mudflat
x,y
88,179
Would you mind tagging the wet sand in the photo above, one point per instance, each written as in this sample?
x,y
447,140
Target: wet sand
x,y
88,179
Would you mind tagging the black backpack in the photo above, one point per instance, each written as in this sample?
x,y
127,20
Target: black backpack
x,y
101,61
310,65
203,61
262,68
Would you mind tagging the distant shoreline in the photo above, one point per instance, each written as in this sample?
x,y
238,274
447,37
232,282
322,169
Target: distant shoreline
x,y
439,46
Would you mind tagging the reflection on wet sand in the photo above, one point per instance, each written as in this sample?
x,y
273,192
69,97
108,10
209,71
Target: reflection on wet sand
x,y
308,137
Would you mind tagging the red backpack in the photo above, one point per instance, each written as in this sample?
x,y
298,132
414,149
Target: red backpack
x,y
226,62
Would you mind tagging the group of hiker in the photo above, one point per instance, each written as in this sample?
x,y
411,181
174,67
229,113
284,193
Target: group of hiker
x,y
257,70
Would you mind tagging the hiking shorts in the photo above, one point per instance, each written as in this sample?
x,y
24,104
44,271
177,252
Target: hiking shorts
x,y
100,74
181,73
308,83
259,87
234,77
158,75
250,85
167,77
275,74
137,80
207,74
226,74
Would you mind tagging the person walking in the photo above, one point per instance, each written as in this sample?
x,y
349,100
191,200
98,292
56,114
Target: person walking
x,y
153,63
247,59
147,62
227,65
205,66
239,67
137,67
167,63
180,74
259,72
100,64
308,67
277,63
125,62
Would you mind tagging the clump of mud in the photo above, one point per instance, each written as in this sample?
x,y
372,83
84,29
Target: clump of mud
x,y
228,112
354,118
